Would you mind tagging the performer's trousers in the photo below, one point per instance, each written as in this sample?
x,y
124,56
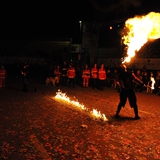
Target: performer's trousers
x,y
130,94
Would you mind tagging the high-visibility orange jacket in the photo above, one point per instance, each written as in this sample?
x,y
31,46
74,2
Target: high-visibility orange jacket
x,y
2,73
86,73
71,73
94,73
102,74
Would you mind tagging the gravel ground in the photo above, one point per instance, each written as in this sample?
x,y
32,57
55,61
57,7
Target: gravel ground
x,y
36,125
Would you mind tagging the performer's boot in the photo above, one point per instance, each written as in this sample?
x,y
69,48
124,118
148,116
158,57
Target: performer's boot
x,y
118,111
136,112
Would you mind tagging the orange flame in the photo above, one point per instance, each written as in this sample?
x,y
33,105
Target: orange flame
x,y
94,112
140,30
64,97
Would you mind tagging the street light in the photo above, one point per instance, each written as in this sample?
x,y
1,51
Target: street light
x,y
80,45
80,23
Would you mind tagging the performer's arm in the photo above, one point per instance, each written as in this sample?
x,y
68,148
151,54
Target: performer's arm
x,y
137,79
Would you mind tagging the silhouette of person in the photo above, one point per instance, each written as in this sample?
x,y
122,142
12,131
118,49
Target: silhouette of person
x,y
125,80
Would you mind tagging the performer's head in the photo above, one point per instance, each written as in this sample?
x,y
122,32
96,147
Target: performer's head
x,y
122,68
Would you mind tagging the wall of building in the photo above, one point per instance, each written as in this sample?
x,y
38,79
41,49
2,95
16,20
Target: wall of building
x,y
136,63
29,60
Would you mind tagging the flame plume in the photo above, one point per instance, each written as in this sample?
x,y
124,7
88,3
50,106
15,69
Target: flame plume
x,y
96,114
140,30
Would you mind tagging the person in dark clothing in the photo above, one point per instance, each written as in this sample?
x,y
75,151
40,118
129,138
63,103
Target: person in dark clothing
x,y
94,75
125,80
64,77
145,79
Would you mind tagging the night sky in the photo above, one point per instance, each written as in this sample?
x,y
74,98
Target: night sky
x,y
49,20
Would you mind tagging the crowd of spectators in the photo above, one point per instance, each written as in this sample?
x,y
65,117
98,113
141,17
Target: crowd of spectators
x,y
150,78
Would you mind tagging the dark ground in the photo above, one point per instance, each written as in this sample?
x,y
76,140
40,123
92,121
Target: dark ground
x,y
36,126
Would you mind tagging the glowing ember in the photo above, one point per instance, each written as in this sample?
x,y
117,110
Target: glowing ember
x,y
140,30
94,112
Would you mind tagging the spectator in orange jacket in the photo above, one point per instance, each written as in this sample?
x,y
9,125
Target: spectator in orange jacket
x,y
86,76
71,75
3,75
101,76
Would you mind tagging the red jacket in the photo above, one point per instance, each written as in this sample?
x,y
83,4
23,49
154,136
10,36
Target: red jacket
x,y
94,73
71,73
2,73
86,73
102,74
